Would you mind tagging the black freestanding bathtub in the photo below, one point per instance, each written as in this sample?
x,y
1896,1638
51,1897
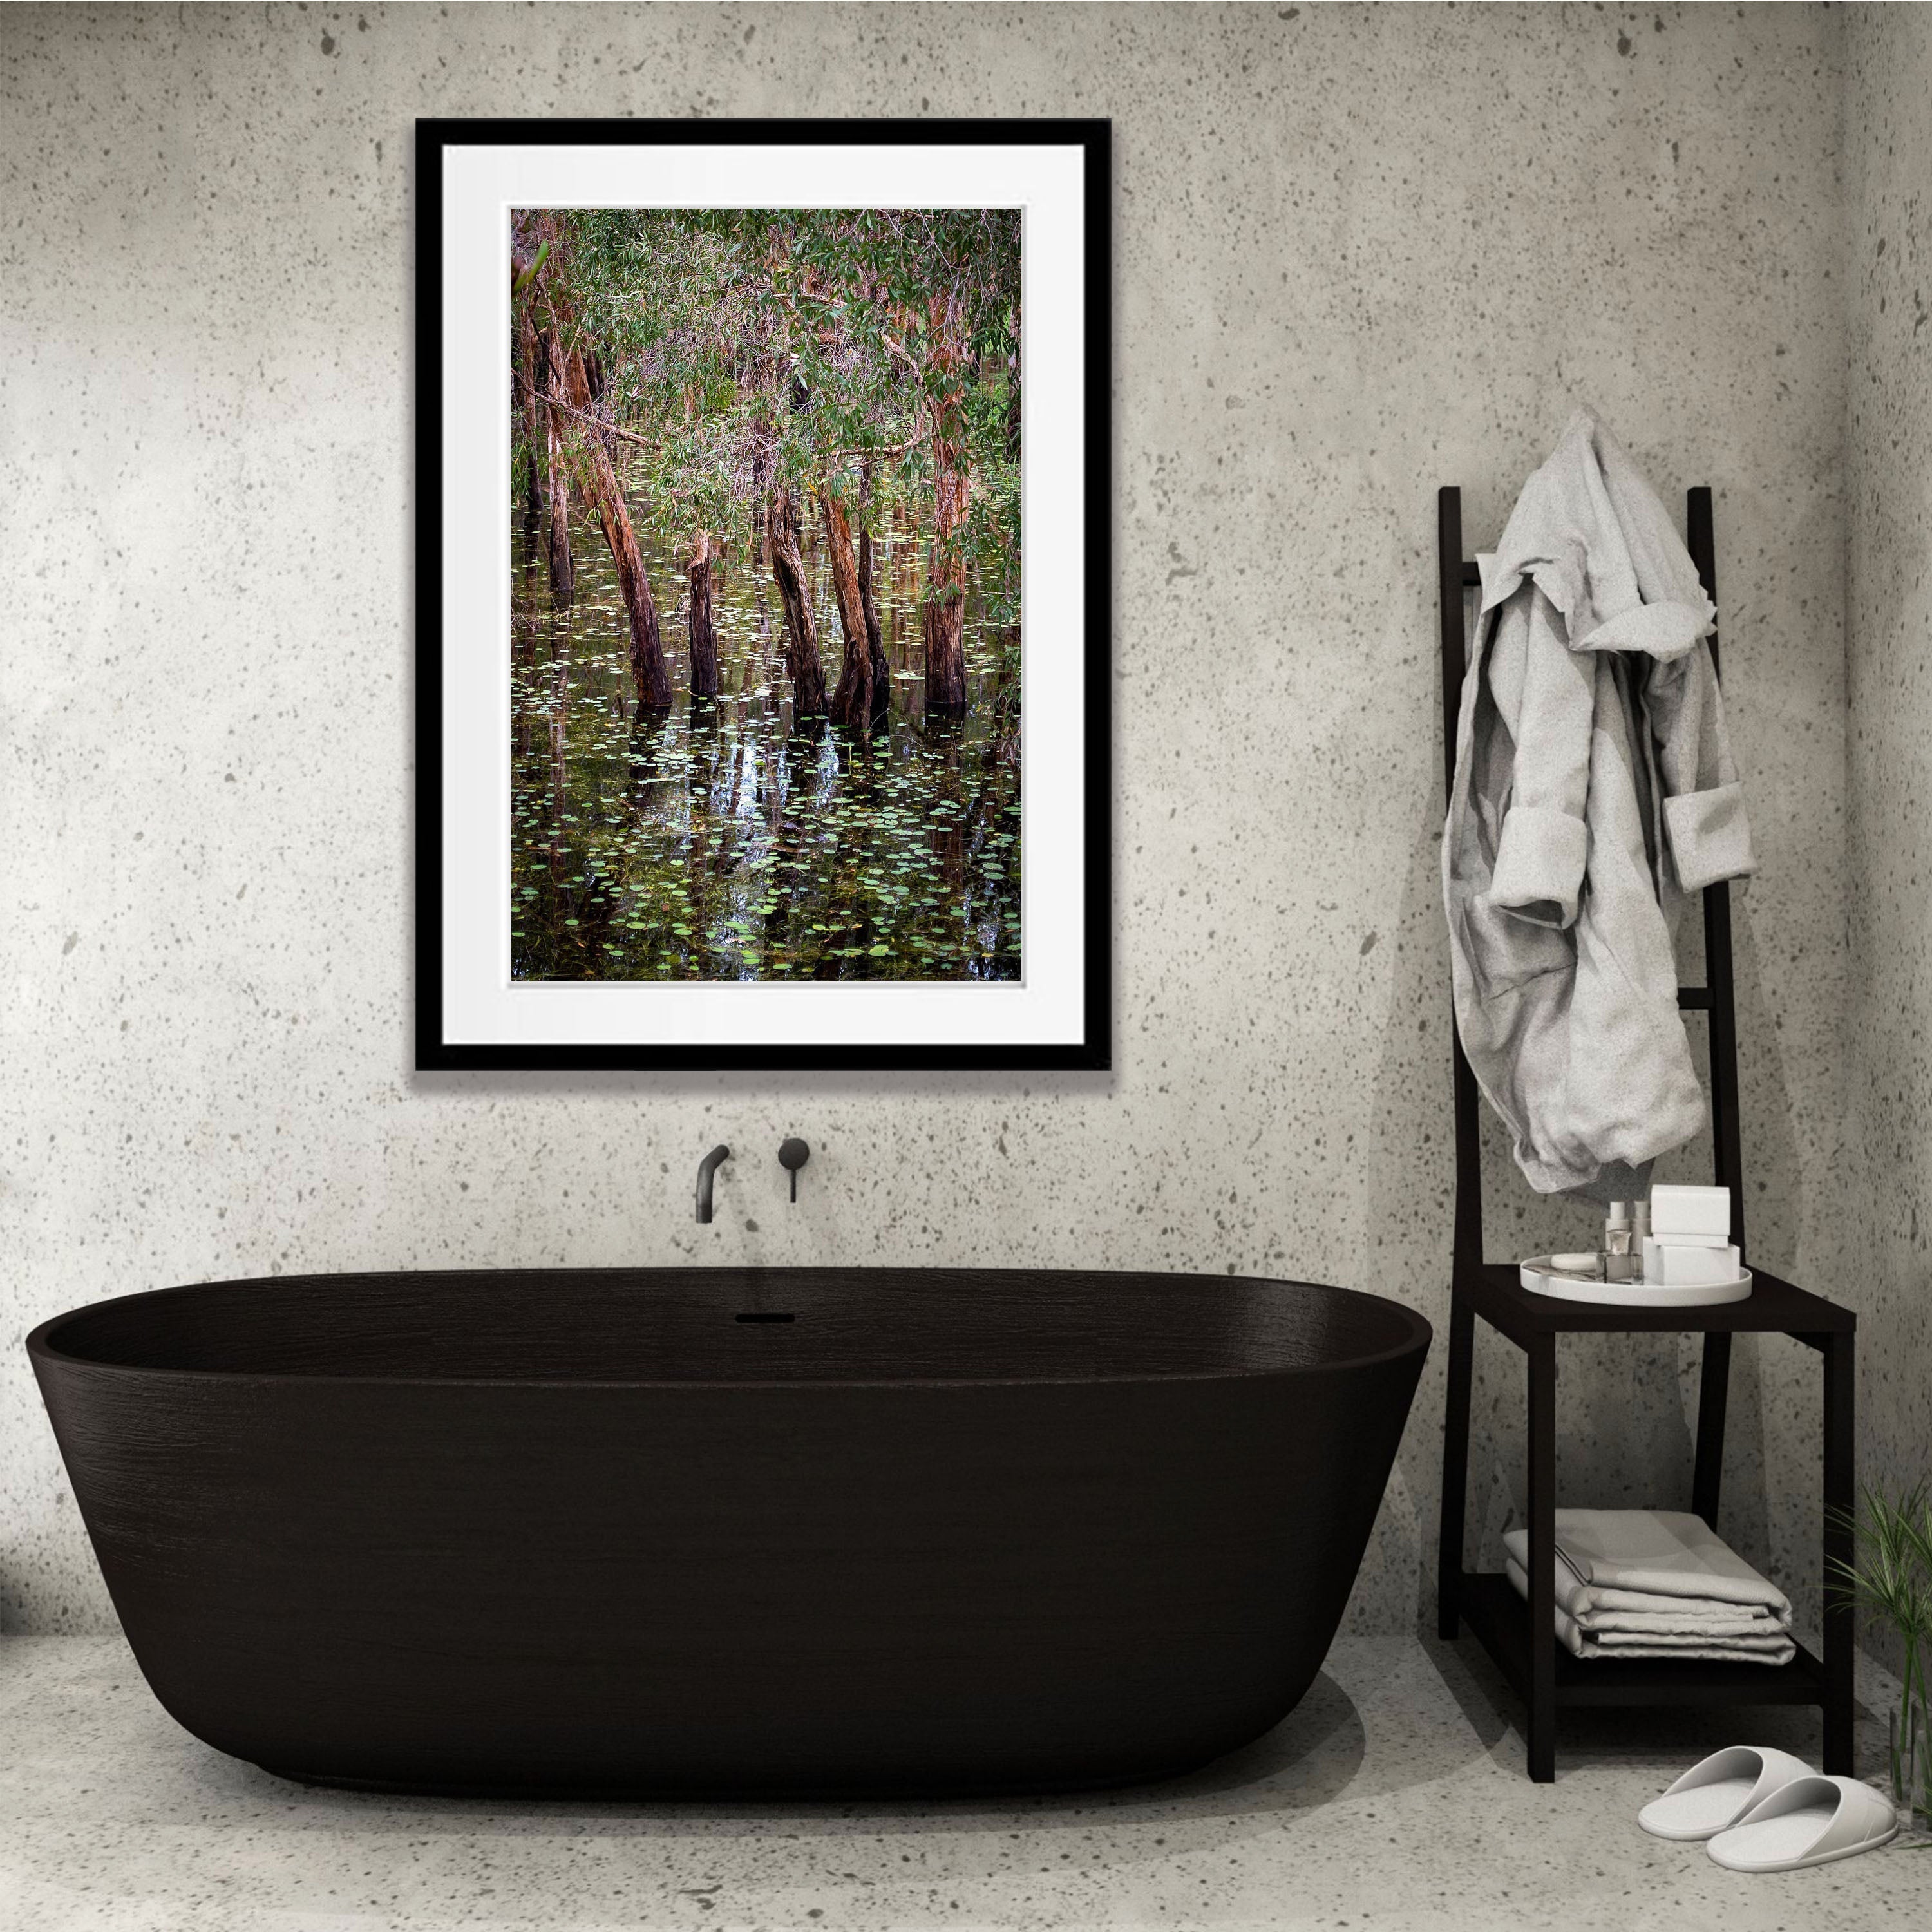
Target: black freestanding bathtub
x,y
721,1531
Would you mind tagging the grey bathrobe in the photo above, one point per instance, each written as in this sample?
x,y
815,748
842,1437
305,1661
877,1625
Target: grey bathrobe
x,y
1594,789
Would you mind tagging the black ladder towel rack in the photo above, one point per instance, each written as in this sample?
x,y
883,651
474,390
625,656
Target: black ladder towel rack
x,y
1541,1672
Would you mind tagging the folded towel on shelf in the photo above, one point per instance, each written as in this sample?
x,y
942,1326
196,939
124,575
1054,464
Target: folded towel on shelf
x,y
1774,1647
1656,1583
1651,1553
1685,1619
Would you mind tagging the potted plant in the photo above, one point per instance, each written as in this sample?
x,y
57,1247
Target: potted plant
x,y
1889,1583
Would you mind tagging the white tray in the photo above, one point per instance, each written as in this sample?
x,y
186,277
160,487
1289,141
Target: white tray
x,y
1537,1279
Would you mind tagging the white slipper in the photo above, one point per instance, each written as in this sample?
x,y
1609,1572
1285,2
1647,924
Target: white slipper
x,y
1809,1822
1716,1794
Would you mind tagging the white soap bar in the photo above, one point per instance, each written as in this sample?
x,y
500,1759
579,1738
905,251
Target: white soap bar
x,y
1671,1265
1690,1210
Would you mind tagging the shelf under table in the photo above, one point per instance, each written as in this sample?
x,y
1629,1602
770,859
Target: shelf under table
x,y
1500,1619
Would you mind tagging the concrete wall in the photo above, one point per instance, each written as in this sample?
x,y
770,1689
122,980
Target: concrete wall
x,y
1888,633
1361,253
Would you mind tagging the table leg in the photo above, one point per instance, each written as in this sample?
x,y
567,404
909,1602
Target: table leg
x,y
1541,1357
1713,1390
1455,1465
1841,1498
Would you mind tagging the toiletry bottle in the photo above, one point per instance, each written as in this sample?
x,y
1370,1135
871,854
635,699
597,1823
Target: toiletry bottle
x,y
1617,1263
1640,1234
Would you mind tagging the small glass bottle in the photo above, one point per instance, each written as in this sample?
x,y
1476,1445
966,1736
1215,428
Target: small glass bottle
x,y
1618,1262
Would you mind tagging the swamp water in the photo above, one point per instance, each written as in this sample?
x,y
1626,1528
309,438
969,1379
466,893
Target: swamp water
x,y
723,839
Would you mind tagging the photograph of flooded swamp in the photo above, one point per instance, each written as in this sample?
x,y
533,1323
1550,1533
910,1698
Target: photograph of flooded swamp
x,y
765,542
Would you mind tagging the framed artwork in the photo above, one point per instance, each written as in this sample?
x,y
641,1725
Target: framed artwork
x,y
763,582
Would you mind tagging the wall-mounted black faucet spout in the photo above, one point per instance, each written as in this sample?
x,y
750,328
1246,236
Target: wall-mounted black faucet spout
x,y
706,1168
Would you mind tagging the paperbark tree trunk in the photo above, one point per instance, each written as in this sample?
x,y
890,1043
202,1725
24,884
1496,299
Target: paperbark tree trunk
x,y
562,571
852,702
801,644
882,675
703,634
945,614
533,504
649,671
528,408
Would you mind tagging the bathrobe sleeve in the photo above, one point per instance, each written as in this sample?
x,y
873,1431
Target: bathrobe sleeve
x,y
1706,833
1544,694
1704,826
1541,576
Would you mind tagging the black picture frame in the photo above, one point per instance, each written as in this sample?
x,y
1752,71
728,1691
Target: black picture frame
x,y
434,1051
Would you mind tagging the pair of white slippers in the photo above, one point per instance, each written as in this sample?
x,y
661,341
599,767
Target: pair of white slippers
x,y
1767,1811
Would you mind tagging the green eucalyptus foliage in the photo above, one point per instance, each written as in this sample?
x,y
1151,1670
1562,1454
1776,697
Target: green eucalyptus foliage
x,y
747,346
535,268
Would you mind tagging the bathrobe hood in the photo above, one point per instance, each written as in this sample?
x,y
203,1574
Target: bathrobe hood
x,y
1594,790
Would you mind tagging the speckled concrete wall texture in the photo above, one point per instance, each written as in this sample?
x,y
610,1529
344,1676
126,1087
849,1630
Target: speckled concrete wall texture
x,y
1888,176
1361,253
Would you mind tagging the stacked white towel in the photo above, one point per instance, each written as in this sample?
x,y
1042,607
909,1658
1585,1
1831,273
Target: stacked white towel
x,y
1656,1583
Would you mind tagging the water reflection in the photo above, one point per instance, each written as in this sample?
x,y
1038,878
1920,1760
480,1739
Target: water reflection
x,y
724,840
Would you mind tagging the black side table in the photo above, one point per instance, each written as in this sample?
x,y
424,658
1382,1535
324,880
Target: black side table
x,y
1520,1636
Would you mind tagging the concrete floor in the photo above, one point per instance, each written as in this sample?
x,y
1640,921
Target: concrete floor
x,y
1393,1798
